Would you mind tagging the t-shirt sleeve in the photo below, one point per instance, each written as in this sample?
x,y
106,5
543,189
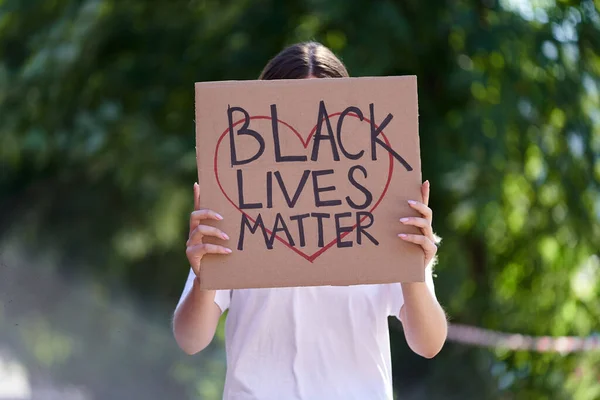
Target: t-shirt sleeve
x,y
396,298
222,297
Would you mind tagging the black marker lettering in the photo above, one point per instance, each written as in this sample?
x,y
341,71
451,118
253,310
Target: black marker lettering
x,y
242,204
339,230
368,195
361,229
375,131
277,228
323,116
318,190
299,218
269,189
246,223
319,217
292,202
243,131
275,127
359,113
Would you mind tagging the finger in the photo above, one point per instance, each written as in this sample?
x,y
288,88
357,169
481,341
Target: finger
x,y
196,196
205,213
200,215
428,246
193,224
205,230
421,223
201,249
425,192
423,209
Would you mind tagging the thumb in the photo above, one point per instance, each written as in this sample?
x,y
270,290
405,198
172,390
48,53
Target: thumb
x,y
425,192
196,196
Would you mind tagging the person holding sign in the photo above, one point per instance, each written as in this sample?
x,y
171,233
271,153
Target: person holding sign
x,y
323,342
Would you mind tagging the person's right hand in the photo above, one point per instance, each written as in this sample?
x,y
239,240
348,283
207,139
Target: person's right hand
x,y
196,249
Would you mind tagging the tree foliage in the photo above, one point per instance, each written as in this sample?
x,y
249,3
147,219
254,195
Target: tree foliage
x,y
97,152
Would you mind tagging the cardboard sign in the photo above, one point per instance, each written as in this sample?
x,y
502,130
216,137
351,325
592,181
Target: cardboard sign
x,y
311,177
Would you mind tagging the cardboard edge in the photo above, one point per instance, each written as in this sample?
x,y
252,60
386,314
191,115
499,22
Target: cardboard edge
x,y
216,84
196,149
320,284
415,82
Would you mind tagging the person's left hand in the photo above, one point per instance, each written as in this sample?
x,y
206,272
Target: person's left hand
x,y
427,240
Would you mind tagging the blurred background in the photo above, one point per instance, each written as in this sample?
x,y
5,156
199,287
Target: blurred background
x,y
97,165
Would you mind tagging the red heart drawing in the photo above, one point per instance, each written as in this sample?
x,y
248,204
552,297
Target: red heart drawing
x,y
308,257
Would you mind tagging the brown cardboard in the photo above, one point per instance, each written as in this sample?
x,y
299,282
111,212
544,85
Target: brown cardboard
x,y
301,108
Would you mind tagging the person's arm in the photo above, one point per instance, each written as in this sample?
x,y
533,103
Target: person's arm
x,y
197,315
424,321
195,320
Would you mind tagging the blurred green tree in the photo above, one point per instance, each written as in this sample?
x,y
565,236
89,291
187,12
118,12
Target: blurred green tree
x,y
97,152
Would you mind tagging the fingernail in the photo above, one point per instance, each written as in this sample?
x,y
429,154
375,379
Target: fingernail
x,y
403,219
228,251
218,216
412,202
402,235
224,236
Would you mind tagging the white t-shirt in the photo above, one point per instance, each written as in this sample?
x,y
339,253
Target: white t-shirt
x,y
309,343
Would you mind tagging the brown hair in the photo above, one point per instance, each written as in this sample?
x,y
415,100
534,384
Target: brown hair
x,y
303,60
